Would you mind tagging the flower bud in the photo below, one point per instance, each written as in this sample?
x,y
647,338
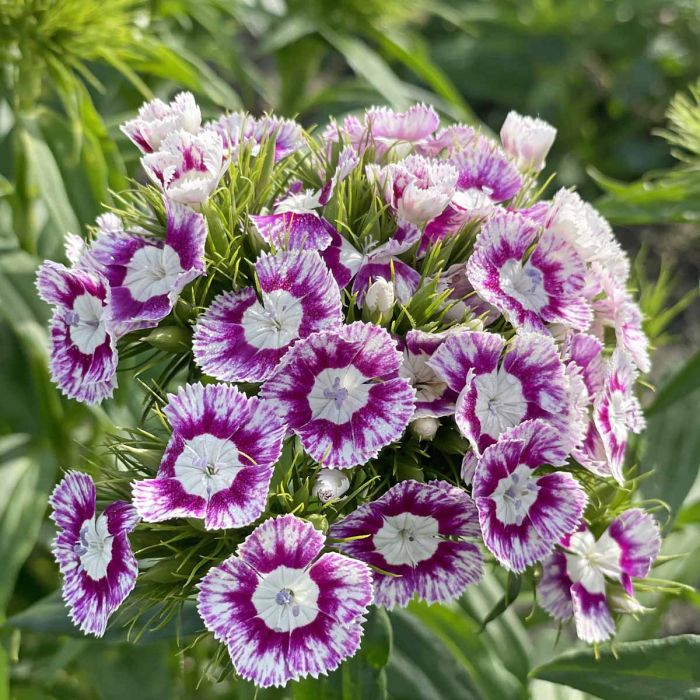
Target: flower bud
x,y
527,140
378,303
330,484
621,602
170,338
425,428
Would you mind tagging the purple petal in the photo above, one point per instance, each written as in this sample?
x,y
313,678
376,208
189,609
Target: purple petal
x,y
554,588
293,230
594,623
638,535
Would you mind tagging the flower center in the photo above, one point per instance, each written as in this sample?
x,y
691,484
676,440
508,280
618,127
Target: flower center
x,y
286,599
338,393
407,539
152,272
514,495
86,323
94,547
275,323
500,403
207,465
525,283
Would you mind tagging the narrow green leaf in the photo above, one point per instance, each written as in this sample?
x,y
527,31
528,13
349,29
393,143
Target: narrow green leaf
x,y
684,382
512,591
658,668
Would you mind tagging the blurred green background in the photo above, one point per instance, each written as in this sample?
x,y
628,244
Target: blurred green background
x,y
604,72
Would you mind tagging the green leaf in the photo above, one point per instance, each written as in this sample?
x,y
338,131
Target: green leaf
x,y
423,666
684,382
671,449
49,615
378,638
44,172
659,668
26,482
368,64
512,590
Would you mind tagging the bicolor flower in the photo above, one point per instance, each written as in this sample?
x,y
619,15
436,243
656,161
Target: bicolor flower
x,y
532,280
618,310
582,227
93,552
495,395
146,274
418,189
157,120
390,129
219,459
83,359
340,392
241,130
242,339
188,166
617,412
284,610
527,140
524,513
578,580
463,300
448,140
434,397
418,534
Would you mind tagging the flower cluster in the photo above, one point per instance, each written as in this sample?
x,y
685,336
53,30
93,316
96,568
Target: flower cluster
x,y
388,362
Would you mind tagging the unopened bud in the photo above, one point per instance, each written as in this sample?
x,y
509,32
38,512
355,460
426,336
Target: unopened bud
x,y
379,302
170,338
620,602
425,428
527,140
330,484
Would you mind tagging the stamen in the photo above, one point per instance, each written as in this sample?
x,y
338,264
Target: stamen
x,y
337,393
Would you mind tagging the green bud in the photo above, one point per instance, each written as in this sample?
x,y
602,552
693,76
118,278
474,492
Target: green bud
x,y
319,522
170,338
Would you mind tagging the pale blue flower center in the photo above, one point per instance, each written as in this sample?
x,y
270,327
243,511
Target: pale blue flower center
x,y
337,393
286,597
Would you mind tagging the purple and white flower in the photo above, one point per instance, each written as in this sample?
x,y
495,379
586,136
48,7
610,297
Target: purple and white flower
x,y
147,274
284,610
418,189
157,120
494,396
527,140
434,398
83,359
187,166
93,552
532,280
523,513
418,534
242,339
219,460
576,582
413,127
616,411
341,393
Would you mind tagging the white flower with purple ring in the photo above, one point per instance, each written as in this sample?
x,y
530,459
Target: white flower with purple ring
x,y
83,360
496,395
284,610
532,279
218,463
98,567
340,392
576,581
242,339
418,534
525,513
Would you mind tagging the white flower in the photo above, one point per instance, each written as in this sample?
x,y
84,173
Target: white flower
x,y
380,296
527,140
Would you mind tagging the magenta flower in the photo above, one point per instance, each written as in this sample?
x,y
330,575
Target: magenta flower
x,y
413,127
157,120
283,611
576,581
147,274
527,140
241,339
433,397
617,411
93,552
533,281
83,359
187,166
341,393
450,139
495,395
524,514
218,463
415,532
